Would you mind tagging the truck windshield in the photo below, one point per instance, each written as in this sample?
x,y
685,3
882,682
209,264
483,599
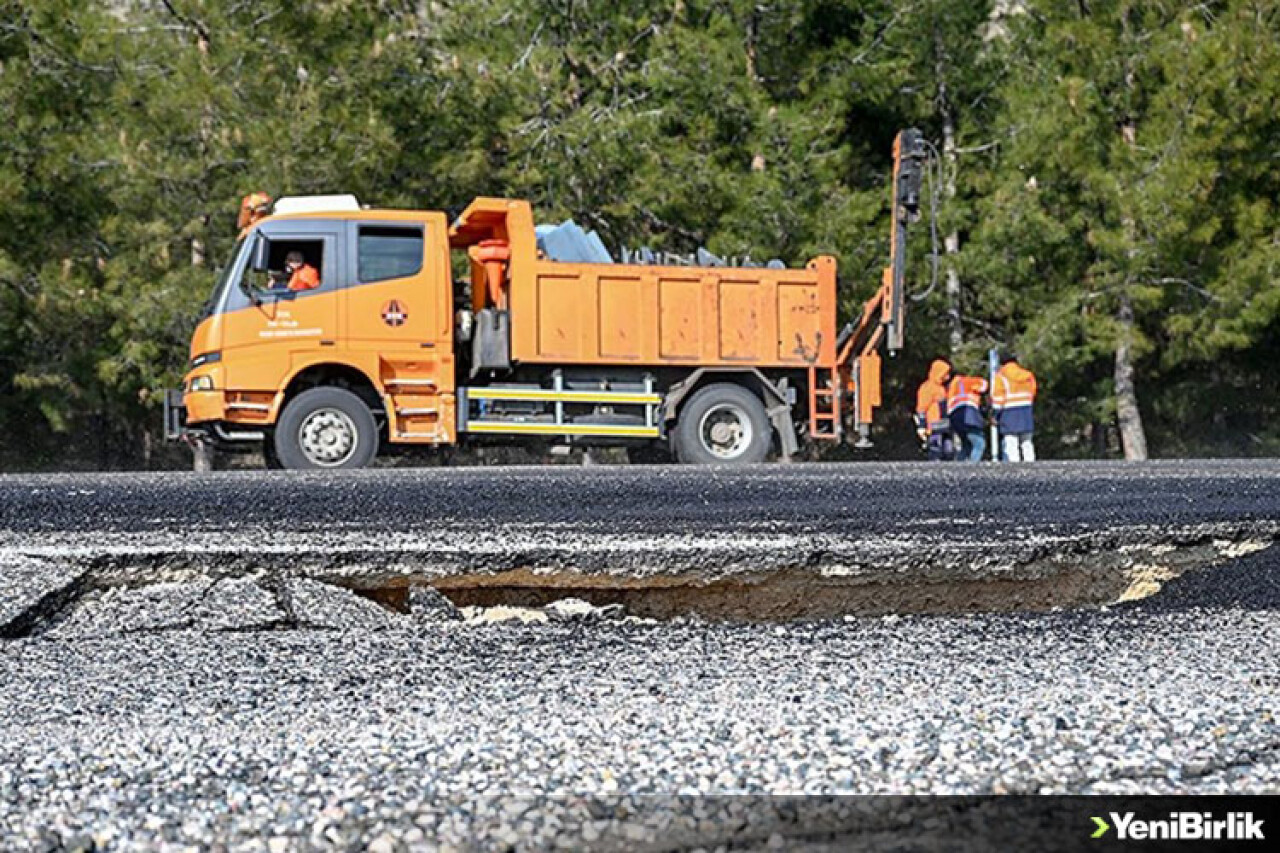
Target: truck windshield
x,y
224,278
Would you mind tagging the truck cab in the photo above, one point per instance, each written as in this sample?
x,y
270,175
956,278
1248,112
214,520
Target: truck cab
x,y
379,327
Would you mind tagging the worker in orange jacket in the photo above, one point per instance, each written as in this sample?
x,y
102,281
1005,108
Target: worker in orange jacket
x,y
1012,399
253,207
964,408
302,276
931,421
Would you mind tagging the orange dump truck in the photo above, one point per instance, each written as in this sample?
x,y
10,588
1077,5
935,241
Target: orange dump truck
x,y
431,332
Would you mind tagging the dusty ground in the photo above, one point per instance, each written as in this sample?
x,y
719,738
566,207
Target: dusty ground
x,y
178,673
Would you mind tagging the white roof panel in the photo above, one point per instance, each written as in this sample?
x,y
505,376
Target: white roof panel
x,y
316,203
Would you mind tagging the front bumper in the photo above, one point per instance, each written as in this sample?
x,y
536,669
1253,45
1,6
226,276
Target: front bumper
x,y
183,411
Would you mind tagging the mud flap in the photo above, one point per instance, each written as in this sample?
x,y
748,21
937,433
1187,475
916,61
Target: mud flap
x,y
491,342
780,417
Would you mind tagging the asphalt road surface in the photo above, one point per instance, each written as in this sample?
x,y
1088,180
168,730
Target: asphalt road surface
x,y
179,670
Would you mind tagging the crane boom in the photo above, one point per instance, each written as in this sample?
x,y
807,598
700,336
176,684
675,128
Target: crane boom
x,y
883,318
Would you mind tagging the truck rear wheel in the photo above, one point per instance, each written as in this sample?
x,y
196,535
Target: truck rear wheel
x,y
326,428
722,424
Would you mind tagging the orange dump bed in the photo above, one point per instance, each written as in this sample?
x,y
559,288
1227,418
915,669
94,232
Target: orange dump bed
x,y
613,313
572,313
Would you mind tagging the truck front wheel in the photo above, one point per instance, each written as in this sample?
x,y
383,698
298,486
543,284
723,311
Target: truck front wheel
x,y
722,424
326,428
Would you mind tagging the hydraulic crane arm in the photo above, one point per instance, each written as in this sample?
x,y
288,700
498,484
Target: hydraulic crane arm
x,y
883,315
908,171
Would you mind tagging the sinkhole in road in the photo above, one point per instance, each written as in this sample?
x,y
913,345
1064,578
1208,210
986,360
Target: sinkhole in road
x,y
934,584
791,594
128,594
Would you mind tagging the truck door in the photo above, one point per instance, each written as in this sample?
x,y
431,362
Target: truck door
x,y
266,325
397,305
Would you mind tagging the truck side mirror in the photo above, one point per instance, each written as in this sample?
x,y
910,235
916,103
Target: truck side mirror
x,y
261,256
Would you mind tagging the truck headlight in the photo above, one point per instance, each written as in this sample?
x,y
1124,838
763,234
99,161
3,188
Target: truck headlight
x,y
201,383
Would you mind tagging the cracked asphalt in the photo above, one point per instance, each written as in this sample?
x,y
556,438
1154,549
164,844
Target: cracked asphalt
x,y
862,521
271,711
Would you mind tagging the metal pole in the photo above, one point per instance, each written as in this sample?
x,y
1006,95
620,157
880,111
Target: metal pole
x,y
993,366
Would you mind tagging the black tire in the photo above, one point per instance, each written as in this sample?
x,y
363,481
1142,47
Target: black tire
x,y
722,424
326,428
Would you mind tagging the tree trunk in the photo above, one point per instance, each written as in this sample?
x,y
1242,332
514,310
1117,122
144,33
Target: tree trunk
x,y
100,431
1132,435
1133,438
951,242
951,245
1098,435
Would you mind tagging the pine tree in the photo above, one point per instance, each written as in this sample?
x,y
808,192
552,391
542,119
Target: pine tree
x,y
1104,234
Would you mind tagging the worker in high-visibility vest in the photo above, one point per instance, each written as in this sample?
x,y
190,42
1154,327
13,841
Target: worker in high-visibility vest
x,y
1012,399
932,425
964,408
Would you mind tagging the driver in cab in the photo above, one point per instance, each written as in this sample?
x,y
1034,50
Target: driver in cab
x,y
298,274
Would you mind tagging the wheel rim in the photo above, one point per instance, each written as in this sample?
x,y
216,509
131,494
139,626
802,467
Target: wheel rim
x,y
328,437
725,431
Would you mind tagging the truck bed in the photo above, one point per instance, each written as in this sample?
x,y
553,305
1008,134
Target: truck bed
x,y
658,315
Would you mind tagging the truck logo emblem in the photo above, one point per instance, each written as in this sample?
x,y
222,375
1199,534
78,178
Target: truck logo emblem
x,y
394,313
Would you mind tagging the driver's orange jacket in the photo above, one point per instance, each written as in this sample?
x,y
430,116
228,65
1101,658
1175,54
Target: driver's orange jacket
x,y
304,277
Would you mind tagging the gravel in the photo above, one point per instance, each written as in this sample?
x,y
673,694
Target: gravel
x,y
318,605
238,604
274,712
428,605
30,586
229,604
400,735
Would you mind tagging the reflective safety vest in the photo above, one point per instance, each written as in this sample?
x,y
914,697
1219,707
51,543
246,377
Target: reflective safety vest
x,y
1012,399
964,401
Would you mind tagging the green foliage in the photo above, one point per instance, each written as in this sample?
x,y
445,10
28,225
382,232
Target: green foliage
x,y
1108,151
1137,165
